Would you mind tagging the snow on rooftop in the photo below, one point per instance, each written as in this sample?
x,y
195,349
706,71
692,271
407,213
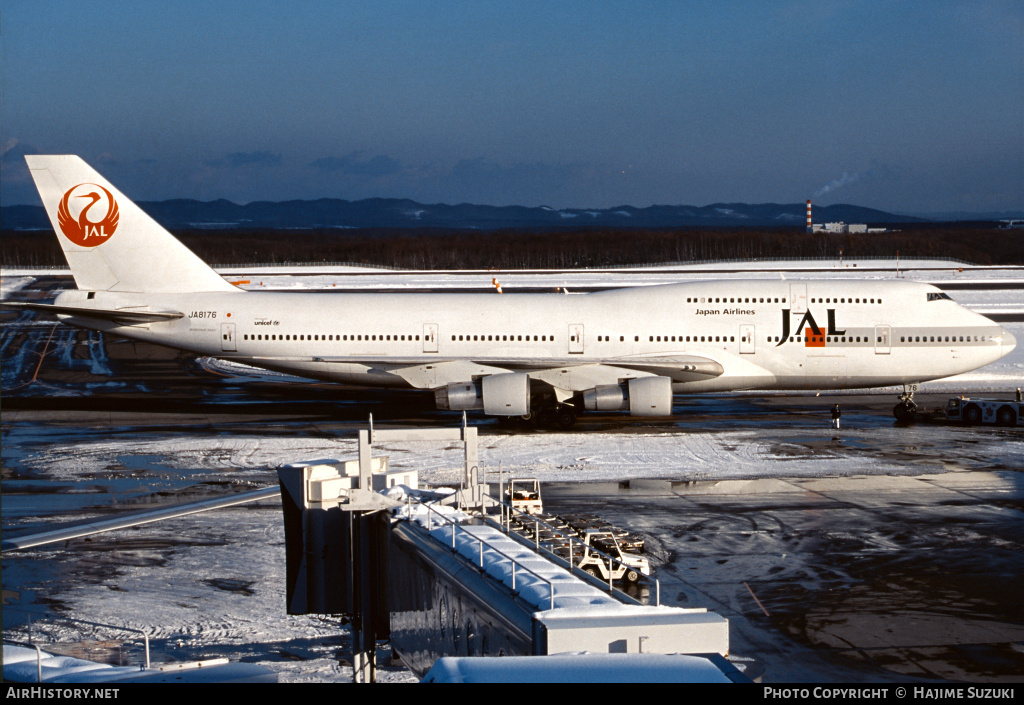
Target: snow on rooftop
x,y
22,666
519,568
578,668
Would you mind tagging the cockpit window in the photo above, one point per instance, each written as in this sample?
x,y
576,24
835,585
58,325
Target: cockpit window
x,y
936,296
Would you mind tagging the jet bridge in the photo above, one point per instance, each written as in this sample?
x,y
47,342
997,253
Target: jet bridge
x,y
447,579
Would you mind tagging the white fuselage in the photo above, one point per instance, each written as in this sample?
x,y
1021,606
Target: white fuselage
x,y
821,334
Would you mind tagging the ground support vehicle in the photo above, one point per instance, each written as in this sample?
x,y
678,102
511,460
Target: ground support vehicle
x,y
972,412
598,546
524,495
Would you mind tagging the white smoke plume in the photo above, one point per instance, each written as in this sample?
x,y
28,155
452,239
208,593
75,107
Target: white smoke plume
x,y
845,180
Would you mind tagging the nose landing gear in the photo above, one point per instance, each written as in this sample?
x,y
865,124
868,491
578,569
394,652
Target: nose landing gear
x,y
906,410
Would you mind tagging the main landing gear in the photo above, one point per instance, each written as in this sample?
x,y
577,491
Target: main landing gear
x,y
556,416
906,410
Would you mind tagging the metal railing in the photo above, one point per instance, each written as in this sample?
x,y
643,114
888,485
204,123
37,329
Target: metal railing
x,y
61,618
508,511
456,527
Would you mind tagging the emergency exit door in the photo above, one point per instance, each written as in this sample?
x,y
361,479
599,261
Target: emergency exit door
x,y
883,336
798,298
227,337
575,338
747,338
430,337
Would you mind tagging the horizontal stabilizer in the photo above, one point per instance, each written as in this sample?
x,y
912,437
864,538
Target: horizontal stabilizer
x,y
114,315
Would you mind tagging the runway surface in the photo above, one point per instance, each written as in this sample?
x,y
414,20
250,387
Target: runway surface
x,y
875,553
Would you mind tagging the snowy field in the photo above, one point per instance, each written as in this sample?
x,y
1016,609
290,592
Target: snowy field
x,y
686,455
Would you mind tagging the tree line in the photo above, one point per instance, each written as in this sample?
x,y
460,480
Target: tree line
x,y
556,249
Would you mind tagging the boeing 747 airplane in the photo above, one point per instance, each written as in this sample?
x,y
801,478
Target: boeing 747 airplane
x,y
546,356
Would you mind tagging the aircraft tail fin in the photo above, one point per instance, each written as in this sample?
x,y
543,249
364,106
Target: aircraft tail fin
x,y
110,243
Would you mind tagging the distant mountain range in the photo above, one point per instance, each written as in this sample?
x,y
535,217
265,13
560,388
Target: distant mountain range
x,y
399,213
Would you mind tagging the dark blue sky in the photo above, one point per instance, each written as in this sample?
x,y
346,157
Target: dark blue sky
x,y
911,107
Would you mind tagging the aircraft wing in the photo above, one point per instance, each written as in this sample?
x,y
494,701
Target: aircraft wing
x,y
560,373
681,368
126,316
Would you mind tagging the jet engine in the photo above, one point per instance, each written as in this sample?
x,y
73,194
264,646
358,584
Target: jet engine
x,y
498,395
647,396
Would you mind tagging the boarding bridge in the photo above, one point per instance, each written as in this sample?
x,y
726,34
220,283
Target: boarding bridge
x,y
448,579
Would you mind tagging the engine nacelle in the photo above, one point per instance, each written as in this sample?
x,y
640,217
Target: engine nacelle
x,y
498,395
459,396
647,396
506,395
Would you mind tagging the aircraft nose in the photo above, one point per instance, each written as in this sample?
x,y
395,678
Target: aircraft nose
x,y
1009,341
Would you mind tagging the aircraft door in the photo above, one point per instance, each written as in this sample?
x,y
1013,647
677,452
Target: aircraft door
x,y
430,337
798,297
227,337
883,336
747,338
575,338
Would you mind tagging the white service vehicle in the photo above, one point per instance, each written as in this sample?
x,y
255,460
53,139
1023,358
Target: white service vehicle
x,y
597,546
977,411
524,495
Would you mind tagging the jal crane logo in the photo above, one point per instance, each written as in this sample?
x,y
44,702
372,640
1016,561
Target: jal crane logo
x,y
80,217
